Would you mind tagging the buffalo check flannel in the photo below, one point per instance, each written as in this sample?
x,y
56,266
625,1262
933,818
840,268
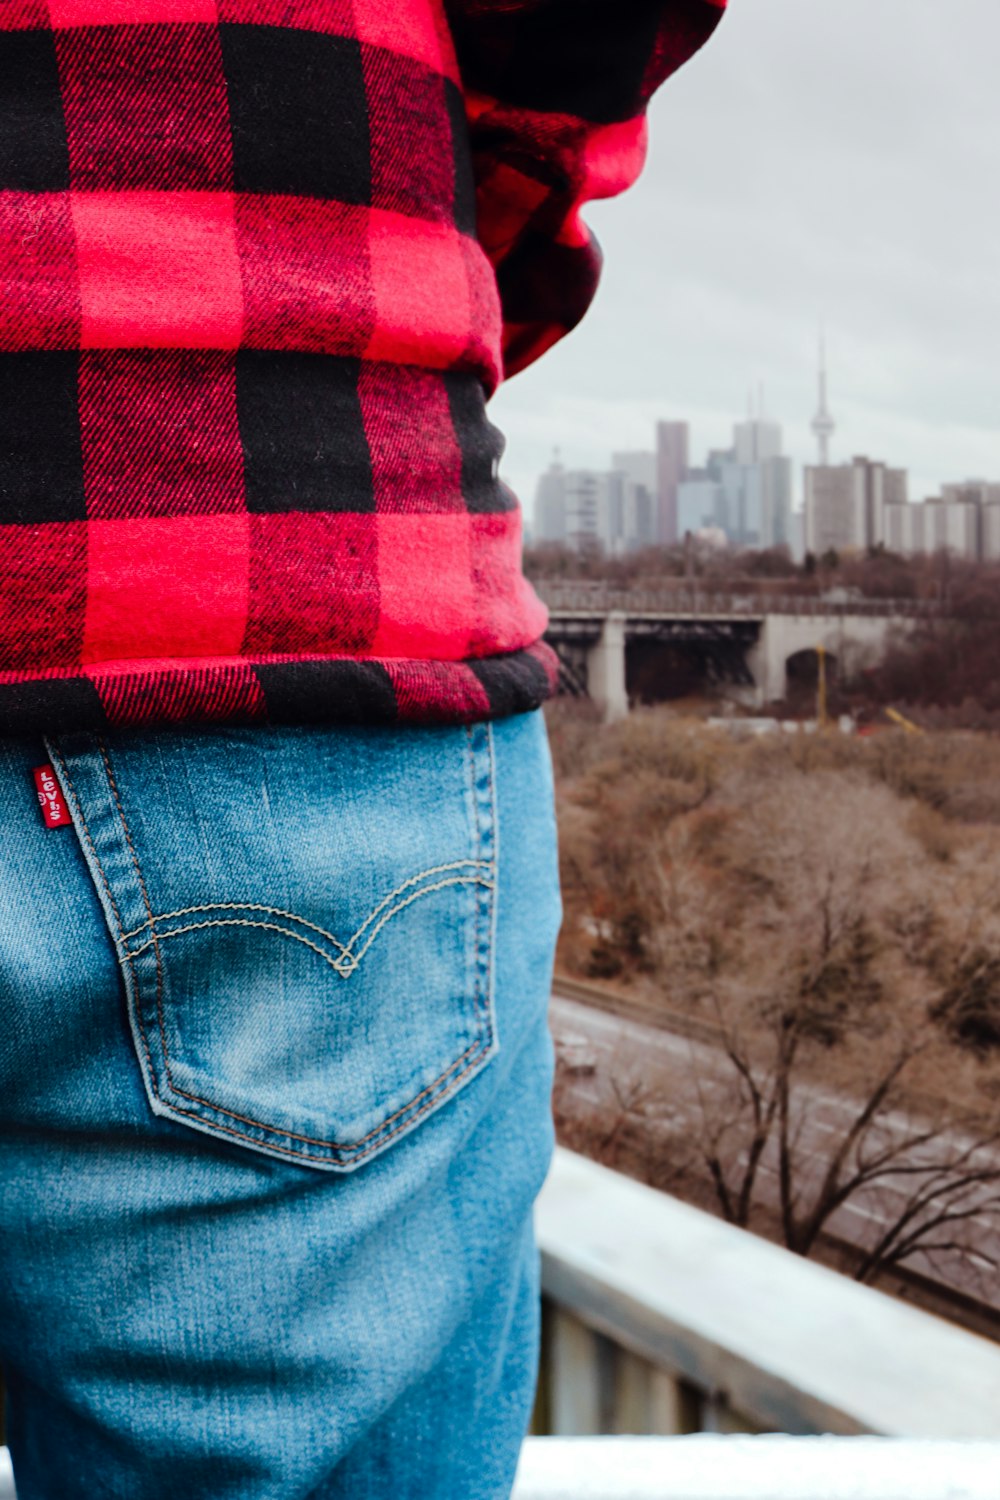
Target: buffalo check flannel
x,y
262,262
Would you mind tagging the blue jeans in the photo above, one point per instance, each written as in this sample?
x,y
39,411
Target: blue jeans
x,y
274,1107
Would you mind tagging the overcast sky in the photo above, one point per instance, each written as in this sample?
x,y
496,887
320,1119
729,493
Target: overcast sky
x,y
819,160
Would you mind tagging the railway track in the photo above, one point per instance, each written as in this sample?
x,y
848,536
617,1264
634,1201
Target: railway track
x,y
641,1011
681,1023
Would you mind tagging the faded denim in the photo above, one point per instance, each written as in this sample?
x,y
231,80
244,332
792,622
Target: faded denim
x,y
274,1107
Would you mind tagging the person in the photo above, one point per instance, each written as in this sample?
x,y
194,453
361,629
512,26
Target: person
x,y
277,930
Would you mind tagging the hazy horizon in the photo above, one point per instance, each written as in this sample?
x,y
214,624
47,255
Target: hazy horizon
x,y
830,170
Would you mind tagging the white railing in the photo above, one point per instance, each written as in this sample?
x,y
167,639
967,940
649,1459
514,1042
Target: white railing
x,y
756,1468
664,1319
732,1468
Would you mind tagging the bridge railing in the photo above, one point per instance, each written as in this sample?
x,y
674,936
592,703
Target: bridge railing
x,y
662,1319
599,598
729,1468
756,1468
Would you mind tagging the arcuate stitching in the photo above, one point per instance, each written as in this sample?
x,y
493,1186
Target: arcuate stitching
x,y
184,911
345,948
344,970
470,1056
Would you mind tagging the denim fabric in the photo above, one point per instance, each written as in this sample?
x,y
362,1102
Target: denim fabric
x,y
274,1108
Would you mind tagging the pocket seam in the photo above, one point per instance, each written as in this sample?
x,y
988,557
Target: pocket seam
x,y
71,791
471,1056
351,1151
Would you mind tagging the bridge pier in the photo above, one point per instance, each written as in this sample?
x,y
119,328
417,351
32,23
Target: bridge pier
x,y
767,668
606,668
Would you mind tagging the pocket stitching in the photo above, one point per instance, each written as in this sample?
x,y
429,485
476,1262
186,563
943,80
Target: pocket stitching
x,y
477,823
184,911
347,1150
345,948
472,1052
151,1074
149,910
335,964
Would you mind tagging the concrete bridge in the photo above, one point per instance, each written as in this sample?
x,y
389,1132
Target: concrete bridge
x,y
746,641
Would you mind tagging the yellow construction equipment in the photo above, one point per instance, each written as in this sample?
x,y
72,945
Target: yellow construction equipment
x,y
821,687
904,723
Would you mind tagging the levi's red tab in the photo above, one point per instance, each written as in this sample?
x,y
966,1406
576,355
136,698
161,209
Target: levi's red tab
x,y
53,803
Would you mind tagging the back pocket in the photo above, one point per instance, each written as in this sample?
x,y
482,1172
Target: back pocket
x,y
304,921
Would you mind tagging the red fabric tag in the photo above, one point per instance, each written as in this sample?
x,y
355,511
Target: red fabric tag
x,y
53,804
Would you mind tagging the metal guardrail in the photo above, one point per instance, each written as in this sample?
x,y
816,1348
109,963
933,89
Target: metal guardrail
x,y
756,1468
667,1318
598,598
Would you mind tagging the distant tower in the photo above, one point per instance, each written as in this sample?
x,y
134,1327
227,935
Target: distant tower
x,y
822,423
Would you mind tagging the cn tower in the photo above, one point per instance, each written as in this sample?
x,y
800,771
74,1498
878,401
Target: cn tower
x,y
822,423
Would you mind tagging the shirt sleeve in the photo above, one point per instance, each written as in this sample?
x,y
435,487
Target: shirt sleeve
x,y
556,94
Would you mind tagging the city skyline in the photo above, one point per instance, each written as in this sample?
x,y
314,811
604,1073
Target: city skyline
x,y
822,427
797,178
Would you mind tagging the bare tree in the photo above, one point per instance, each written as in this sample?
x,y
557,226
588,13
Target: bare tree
x,y
930,1185
825,912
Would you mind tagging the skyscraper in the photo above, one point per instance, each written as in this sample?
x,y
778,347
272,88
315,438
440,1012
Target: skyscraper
x,y
550,503
846,504
744,491
755,440
671,466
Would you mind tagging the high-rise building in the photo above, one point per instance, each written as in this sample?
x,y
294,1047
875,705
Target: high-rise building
x,y
964,519
639,526
550,503
585,507
584,518
982,495
744,491
952,526
833,518
991,531
905,530
845,503
974,491
755,440
570,506
671,466
640,466
776,501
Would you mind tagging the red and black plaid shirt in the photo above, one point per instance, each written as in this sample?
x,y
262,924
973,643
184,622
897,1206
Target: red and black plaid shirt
x,y
261,263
